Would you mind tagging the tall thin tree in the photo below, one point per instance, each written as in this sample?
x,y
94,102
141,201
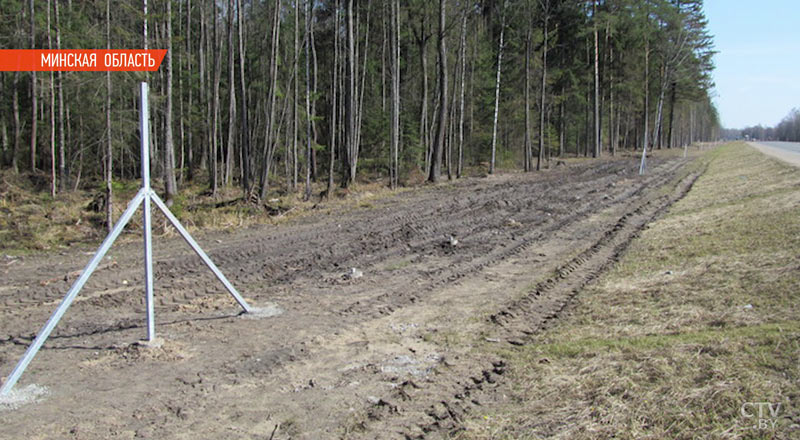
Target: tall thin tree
x,y
351,99
642,164
243,117
109,150
438,142
596,125
231,98
497,86
395,122
545,4
53,179
62,156
269,146
216,52
334,95
462,85
171,186
528,159
34,92
295,97
309,116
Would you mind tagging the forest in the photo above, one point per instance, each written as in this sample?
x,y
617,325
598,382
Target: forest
x,y
274,95
788,130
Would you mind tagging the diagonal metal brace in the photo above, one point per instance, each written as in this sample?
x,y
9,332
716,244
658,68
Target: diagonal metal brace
x,y
143,197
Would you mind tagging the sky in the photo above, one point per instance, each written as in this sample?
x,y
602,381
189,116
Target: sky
x,y
757,71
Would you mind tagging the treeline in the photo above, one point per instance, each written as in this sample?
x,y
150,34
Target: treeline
x,y
788,130
255,93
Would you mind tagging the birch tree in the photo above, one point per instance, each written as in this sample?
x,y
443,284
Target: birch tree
x,y
500,49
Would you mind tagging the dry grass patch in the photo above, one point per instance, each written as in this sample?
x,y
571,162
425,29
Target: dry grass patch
x,y
699,318
31,220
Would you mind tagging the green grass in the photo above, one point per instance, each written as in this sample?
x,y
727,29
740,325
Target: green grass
x,y
697,319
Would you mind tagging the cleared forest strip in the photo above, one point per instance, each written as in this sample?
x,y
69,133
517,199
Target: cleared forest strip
x,y
344,344
695,323
466,383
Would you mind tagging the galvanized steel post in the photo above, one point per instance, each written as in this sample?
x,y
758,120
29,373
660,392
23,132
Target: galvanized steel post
x,y
144,127
143,197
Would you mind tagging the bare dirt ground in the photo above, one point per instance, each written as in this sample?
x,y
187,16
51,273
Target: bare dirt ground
x,y
378,356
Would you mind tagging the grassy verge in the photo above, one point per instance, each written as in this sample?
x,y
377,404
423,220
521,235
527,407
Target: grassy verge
x,y
691,330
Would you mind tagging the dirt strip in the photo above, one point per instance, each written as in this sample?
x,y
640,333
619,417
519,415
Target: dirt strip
x,y
390,353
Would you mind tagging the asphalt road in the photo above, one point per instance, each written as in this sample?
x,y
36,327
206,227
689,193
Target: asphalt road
x,y
793,147
786,151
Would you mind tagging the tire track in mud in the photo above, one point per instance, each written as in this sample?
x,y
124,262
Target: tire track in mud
x,y
233,251
309,257
388,302
322,250
440,407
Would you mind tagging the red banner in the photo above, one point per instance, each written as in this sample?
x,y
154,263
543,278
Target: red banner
x,y
25,60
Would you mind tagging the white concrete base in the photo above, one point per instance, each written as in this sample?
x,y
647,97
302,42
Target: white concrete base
x,y
268,310
20,396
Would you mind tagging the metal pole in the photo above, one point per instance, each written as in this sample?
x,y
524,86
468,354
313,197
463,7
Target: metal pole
x,y
144,196
144,129
73,292
185,234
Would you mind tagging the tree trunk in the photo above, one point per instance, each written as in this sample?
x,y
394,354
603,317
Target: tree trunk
x,y
62,156
17,127
3,132
269,145
362,88
660,107
543,92
528,156
204,61
334,94
451,126
171,186
562,125
213,156
314,89
424,140
395,124
244,130
350,99
53,179
386,30
231,99
80,158
309,116
617,124
295,95
463,56
612,122
497,88
181,106
671,113
109,150
34,93
643,163
438,142
596,131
